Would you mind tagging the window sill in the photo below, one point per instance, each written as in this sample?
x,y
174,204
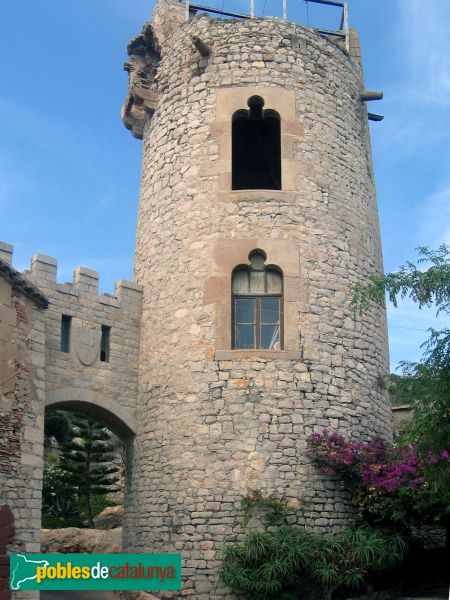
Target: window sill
x,y
262,196
258,191
255,194
267,354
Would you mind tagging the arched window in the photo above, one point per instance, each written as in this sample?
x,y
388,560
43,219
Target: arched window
x,y
256,148
257,305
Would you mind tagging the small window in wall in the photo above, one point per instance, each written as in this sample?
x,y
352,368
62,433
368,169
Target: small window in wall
x,y
257,305
104,343
66,323
256,148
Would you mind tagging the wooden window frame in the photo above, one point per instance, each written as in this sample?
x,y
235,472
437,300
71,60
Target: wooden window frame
x,y
257,322
257,298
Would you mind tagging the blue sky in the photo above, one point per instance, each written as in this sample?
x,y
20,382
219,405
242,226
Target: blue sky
x,y
69,170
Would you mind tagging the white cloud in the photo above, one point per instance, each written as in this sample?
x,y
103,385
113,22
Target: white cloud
x,y
416,102
433,219
425,47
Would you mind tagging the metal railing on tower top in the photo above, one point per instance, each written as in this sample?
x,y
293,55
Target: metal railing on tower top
x,y
341,32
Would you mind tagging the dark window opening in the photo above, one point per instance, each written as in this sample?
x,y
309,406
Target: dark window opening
x,y
66,322
256,148
257,306
104,343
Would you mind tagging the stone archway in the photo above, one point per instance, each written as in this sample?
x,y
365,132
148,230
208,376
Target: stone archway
x,y
117,418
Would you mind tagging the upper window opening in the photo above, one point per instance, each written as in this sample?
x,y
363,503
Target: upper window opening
x,y
257,305
104,343
66,323
256,148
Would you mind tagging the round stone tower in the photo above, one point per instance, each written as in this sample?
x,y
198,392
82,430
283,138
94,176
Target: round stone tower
x,y
257,215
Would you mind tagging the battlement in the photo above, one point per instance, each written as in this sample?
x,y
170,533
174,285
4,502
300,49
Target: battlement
x,y
84,286
6,253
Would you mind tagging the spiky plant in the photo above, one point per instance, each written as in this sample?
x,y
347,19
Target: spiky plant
x,y
267,564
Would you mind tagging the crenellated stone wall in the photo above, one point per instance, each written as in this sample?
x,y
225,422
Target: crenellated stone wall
x,y
79,377
215,422
35,373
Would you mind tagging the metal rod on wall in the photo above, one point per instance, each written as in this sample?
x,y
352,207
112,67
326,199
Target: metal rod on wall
x,y
284,10
187,10
347,37
252,8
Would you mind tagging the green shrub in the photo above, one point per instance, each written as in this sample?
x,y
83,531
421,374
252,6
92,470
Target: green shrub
x,y
98,504
267,564
273,510
53,522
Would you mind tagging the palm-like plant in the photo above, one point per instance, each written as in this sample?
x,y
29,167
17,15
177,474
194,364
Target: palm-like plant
x,y
87,462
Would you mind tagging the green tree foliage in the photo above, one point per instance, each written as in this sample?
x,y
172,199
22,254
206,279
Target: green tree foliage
x,y
87,462
57,427
59,496
425,384
427,287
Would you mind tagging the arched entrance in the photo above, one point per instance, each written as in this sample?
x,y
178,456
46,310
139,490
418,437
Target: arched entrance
x,y
110,417
118,418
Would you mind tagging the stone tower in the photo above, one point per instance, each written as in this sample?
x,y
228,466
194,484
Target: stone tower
x,y
257,215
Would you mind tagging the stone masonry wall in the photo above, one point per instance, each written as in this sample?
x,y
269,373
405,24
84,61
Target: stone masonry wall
x,y
35,373
78,379
22,357
214,423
